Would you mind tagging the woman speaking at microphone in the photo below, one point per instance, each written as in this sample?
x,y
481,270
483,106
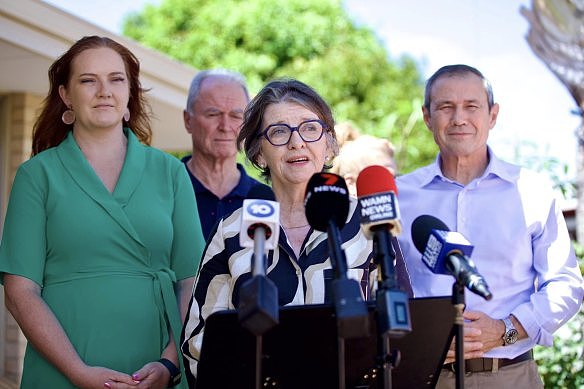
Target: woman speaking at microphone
x,y
288,133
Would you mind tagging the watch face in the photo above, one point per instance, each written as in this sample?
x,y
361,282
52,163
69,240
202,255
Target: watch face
x,y
511,336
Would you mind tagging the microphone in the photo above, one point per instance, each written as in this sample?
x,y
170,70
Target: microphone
x,y
260,211
258,303
376,191
326,205
377,195
447,252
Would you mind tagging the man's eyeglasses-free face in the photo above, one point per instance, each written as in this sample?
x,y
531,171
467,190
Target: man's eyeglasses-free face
x,y
279,134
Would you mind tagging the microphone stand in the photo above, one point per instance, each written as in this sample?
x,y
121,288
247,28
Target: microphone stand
x,y
459,304
259,269
350,309
386,359
393,318
259,310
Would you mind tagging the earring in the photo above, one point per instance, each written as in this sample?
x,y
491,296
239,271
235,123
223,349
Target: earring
x,y
262,165
328,162
68,116
127,115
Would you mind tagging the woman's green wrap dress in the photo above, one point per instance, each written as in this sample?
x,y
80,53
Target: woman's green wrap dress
x,y
106,262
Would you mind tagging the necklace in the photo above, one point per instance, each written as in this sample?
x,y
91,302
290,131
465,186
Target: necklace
x,y
292,228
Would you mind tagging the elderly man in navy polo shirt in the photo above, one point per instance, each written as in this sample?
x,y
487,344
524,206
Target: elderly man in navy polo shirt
x,y
213,117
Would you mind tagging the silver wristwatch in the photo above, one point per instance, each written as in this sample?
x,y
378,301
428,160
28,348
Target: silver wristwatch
x,y
511,333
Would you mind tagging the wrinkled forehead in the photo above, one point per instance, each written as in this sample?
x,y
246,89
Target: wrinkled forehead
x,y
458,88
287,112
221,93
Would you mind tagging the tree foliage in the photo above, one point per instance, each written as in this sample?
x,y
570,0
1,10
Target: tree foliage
x,y
562,366
314,41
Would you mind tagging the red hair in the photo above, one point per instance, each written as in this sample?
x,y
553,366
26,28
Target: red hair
x,y
49,130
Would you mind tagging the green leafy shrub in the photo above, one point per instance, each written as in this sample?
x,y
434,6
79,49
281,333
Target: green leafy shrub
x,y
562,366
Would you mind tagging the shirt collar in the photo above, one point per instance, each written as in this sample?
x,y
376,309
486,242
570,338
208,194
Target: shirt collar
x,y
495,168
243,186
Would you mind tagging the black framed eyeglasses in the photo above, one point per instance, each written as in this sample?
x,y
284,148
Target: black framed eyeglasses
x,y
279,134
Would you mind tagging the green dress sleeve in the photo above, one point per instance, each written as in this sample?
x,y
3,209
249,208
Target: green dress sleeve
x,y
23,247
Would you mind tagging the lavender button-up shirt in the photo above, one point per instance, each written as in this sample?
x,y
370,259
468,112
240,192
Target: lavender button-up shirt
x,y
521,245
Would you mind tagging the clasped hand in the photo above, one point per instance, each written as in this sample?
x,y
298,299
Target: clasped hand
x,y
481,334
152,376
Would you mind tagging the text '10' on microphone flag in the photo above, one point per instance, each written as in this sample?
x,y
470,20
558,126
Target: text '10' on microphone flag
x,y
260,210
258,297
377,195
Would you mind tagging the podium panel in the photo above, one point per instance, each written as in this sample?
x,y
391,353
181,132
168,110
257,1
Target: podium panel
x,y
302,351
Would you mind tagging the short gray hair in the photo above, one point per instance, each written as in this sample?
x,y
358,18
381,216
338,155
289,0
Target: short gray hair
x,y
283,90
230,75
457,70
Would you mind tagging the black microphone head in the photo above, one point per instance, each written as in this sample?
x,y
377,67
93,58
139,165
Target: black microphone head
x,y
261,191
326,198
422,228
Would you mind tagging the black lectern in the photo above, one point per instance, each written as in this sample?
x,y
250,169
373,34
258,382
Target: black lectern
x,y
302,350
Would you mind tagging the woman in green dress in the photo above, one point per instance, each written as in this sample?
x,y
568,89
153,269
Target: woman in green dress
x,y
102,238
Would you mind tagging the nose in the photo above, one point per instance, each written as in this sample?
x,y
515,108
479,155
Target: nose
x,y
295,141
458,117
104,90
223,122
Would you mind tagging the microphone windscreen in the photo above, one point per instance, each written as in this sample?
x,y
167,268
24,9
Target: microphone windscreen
x,y
377,196
422,229
375,179
326,198
260,191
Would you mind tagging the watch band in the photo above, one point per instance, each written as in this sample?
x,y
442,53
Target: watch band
x,y
174,371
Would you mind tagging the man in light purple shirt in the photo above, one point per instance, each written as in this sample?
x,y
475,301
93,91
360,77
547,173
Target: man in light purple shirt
x,y
514,221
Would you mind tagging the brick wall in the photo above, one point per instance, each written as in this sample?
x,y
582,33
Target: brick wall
x,y
19,113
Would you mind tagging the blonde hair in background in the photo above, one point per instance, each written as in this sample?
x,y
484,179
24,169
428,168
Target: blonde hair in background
x,y
346,132
364,150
